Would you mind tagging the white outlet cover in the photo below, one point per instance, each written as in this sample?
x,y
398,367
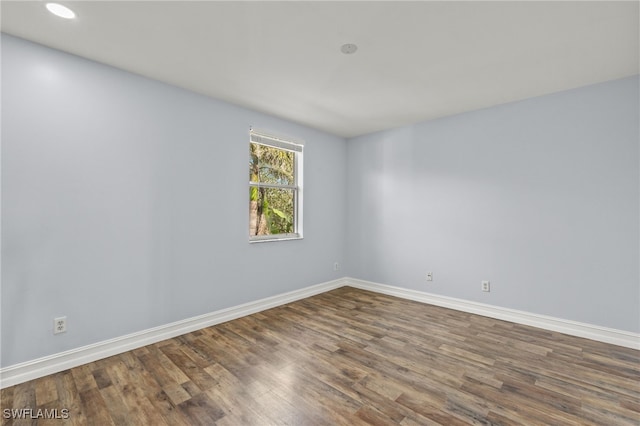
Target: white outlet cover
x,y
59,325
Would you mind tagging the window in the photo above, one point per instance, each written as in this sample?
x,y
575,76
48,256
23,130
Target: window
x,y
275,188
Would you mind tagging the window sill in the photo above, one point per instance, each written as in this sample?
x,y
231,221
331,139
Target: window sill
x,y
272,238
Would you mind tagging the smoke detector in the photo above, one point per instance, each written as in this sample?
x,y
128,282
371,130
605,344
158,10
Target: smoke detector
x,y
348,48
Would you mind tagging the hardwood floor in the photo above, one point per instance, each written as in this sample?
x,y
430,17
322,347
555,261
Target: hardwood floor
x,y
349,357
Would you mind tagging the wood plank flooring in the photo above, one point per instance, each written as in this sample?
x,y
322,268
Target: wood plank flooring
x,y
349,357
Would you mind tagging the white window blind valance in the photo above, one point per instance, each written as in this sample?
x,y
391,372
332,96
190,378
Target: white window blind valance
x,y
270,140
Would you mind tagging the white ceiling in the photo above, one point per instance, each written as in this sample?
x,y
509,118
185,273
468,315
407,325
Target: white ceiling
x,y
416,60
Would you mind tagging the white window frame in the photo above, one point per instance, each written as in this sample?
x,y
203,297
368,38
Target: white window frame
x,y
296,147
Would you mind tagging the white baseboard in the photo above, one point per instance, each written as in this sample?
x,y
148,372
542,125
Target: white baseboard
x,y
573,328
19,373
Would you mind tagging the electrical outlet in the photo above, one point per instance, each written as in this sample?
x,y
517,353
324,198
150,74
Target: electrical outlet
x,y
486,286
336,266
429,276
59,325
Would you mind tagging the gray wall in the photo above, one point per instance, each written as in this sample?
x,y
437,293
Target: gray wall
x,y
125,204
540,197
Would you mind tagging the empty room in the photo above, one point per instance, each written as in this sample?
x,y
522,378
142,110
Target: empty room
x,y
320,213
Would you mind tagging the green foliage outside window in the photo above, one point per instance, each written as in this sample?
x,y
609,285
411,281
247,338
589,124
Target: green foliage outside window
x,y
271,209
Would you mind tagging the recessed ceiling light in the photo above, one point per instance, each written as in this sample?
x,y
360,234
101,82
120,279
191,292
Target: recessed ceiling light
x,y
61,11
348,48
